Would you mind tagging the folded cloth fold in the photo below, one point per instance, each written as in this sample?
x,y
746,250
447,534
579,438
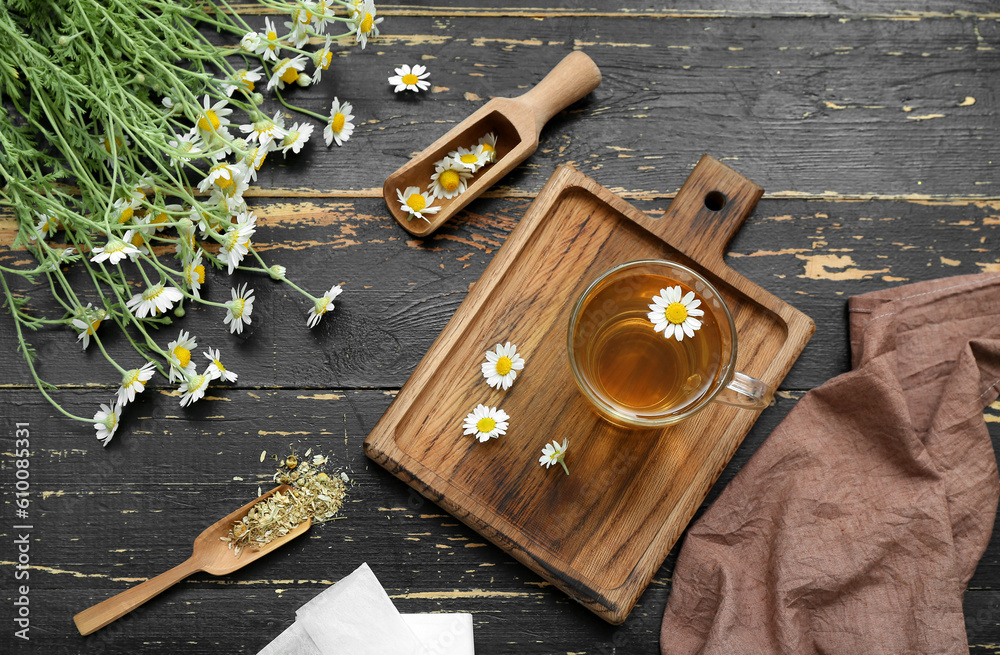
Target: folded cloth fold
x,y
858,523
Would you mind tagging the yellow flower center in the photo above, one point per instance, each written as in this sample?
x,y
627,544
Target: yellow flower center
x,y
469,159
260,162
290,138
503,365
410,79
325,59
449,180
137,240
126,214
486,424
209,121
271,36
416,202
366,24
160,218
218,365
196,274
488,148
118,145
237,307
241,77
337,124
290,75
93,327
183,355
676,313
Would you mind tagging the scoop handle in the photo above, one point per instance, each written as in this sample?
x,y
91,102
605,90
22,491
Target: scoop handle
x,y
94,618
572,78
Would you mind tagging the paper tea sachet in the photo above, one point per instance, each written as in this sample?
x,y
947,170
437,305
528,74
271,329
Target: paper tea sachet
x,y
356,616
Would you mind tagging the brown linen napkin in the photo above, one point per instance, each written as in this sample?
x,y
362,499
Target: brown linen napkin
x,y
858,523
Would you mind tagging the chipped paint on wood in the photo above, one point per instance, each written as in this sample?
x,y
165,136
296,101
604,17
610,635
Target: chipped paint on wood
x,y
825,267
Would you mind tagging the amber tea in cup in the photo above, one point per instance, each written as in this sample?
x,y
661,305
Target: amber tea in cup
x,y
631,372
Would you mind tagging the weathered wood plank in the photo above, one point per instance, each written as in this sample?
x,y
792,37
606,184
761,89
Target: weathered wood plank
x,y
104,519
400,292
802,107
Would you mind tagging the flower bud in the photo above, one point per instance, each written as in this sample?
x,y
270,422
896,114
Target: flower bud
x,y
277,272
257,98
179,312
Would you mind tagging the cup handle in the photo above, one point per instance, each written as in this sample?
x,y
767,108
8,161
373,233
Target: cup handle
x,y
746,392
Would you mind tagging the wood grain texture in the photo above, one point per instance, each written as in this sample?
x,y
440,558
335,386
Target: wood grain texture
x,y
854,115
601,535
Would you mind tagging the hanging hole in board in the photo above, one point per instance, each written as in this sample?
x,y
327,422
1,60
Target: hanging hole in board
x,y
715,200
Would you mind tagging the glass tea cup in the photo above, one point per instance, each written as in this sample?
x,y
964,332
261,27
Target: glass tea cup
x,y
646,364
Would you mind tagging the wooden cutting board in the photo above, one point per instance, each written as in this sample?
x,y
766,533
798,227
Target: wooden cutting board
x,y
600,533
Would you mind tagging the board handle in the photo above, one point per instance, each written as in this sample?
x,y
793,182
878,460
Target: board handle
x,y
571,79
706,212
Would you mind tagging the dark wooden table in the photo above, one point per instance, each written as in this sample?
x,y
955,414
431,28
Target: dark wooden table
x,y
872,126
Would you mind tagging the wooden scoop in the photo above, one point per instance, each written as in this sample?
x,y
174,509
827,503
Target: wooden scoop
x,y
211,555
517,124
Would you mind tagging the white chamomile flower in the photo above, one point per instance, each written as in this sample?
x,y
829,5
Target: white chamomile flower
x,y
674,315
322,11
115,250
415,203
298,135
194,387
186,233
236,243
322,305
154,300
489,145
194,275
133,382
286,71
213,119
265,129
231,196
106,422
215,366
554,453
268,47
339,128
238,309
471,158
322,59
251,42
365,22
172,106
86,322
243,80
179,356
450,178
255,157
410,79
46,226
299,26
486,423
501,367
188,146
223,175
123,209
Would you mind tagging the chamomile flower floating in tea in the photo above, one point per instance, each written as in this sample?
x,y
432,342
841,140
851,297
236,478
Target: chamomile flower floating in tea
x,y
215,366
675,315
133,382
472,158
238,309
339,128
554,453
410,79
106,422
322,305
415,203
450,178
501,367
486,423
